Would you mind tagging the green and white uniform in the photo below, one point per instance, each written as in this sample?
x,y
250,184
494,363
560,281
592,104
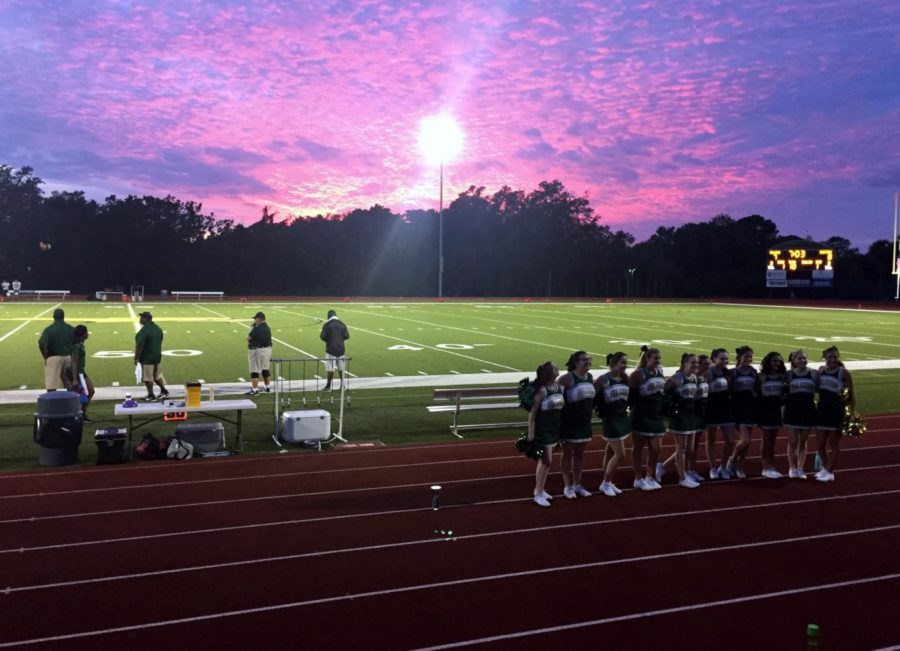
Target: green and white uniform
x,y
700,402
575,425
685,396
647,418
800,406
743,396
546,426
830,410
616,424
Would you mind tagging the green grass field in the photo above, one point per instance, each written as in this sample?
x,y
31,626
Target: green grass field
x,y
433,342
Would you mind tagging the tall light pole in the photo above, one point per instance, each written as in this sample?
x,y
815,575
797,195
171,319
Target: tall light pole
x,y
440,140
441,238
631,282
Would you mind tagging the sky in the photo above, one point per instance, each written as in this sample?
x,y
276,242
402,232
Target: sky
x,y
660,112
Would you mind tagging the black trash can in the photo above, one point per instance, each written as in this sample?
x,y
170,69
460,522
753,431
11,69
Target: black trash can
x,y
58,426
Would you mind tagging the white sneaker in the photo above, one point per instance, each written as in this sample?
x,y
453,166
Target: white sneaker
x,y
607,489
581,491
569,493
723,473
713,473
824,475
687,482
540,500
653,483
546,495
643,485
660,472
615,488
696,476
771,473
797,473
739,472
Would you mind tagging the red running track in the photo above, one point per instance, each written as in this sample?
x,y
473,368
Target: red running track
x,y
338,551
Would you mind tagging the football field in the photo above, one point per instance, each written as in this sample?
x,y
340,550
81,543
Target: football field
x,y
431,344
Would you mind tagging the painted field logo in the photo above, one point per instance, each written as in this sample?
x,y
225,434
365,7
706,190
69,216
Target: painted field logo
x,y
661,342
835,340
124,354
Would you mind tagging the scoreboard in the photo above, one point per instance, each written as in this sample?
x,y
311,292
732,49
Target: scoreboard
x,y
800,268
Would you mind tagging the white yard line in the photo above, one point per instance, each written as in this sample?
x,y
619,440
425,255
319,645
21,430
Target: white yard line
x,y
283,343
415,343
22,325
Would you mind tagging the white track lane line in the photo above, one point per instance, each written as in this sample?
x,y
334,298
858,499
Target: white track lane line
x,y
368,548
281,475
664,611
514,575
281,458
279,523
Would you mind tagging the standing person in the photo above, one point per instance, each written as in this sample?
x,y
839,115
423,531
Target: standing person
x,y
682,389
148,353
16,287
56,346
771,396
744,404
613,390
699,406
833,379
543,425
647,424
5,287
575,421
718,413
259,353
334,334
81,381
799,410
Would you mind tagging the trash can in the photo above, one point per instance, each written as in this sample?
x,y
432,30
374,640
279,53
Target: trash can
x,y
58,427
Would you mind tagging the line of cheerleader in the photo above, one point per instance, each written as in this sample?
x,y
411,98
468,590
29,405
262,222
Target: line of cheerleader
x,y
704,396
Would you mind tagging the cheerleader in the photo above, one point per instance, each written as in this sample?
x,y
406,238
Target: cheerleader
x,y
543,425
681,388
575,426
770,387
612,389
833,379
718,413
799,410
743,402
647,424
700,399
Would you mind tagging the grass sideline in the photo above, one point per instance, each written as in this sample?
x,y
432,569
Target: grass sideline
x,y
426,339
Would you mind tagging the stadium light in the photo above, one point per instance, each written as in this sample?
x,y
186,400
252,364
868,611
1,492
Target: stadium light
x,y
440,140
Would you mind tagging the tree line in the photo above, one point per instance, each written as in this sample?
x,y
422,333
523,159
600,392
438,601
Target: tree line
x,y
547,242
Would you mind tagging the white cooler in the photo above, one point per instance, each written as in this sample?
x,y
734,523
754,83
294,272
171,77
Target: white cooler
x,y
309,425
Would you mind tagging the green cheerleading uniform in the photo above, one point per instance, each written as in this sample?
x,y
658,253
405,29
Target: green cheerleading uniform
x,y
800,407
685,396
575,423
771,392
830,410
546,426
616,425
700,402
718,407
743,396
647,418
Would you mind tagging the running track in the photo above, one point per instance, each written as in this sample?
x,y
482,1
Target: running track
x,y
338,550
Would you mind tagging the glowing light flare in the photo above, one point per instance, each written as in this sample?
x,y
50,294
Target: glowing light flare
x,y
440,139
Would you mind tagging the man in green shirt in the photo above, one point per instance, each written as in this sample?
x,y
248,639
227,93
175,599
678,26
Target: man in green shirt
x,y
259,342
56,345
148,353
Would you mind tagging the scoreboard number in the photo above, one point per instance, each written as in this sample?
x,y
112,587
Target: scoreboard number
x,y
800,268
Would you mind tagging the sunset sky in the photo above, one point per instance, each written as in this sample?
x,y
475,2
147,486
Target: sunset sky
x,y
662,112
